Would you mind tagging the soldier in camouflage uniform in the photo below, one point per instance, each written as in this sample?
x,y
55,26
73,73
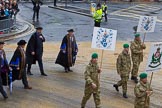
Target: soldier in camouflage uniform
x,y
142,92
92,85
123,65
137,48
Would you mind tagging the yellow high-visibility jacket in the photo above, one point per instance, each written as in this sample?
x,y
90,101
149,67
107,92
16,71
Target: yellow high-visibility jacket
x,y
98,15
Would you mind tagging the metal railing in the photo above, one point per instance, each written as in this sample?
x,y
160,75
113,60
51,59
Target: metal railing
x,y
6,24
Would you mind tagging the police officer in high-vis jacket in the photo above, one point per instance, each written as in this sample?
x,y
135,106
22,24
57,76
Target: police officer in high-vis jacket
x,y
98,16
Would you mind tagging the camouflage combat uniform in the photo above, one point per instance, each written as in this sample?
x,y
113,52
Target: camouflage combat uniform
x,y
91,76
123,65
141,96
137,56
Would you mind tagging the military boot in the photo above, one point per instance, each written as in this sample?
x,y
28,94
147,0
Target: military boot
x,y
136,80
125,95
132,78
116,87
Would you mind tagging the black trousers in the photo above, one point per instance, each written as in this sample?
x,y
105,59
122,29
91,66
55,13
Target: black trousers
x,y
1,88
24,78
97,24
36,12
54,2
105,17
40,63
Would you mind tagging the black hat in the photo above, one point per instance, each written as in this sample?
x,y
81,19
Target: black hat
x,y
39,28
21,42
71,30
1,42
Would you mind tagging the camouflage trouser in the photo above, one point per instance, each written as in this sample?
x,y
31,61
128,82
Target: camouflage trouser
x,y
123,83
136,64
140,103
139,106
96,97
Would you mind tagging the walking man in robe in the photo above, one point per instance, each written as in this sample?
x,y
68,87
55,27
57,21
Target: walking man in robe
x,y
68,51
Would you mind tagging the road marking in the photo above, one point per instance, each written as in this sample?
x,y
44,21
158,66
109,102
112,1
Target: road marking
x,y
136,11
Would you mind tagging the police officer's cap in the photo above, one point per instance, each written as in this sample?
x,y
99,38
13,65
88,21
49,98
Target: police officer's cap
x,y
39,28
70,30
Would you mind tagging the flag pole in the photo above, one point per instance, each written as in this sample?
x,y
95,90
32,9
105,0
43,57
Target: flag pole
x,y
149,88
101,63
144,37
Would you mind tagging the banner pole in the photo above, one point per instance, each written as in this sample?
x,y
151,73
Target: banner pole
x,y
144,37
149,88
101,63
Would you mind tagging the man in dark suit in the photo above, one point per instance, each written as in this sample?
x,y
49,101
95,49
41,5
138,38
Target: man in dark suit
x,y
55,2
34,51
36,8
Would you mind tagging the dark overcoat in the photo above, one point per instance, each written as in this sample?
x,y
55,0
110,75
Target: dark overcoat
x,y
35,44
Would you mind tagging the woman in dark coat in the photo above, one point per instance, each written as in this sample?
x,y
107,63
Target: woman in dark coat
x,y
68,51
18,64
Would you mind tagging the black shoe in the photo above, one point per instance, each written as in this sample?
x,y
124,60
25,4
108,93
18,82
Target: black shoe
x,y
43,74
70,70
132,78
82,107
125,95
116,87
66,71
29,73
5,97
136,80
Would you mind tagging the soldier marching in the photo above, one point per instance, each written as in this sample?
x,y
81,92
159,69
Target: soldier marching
x,y
137,48
123,66
92,85
142,91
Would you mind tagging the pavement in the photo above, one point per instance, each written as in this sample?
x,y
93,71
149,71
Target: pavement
x,y
20,29
65,90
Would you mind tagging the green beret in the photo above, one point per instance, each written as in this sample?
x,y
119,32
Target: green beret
x,y
137,35
126,46
143,75
94,55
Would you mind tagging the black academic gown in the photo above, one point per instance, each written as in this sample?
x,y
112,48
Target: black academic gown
x,y
67,59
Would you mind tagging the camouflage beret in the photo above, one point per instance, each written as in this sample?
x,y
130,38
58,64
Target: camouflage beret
x,y
137,35
126,46
94,55
143,75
